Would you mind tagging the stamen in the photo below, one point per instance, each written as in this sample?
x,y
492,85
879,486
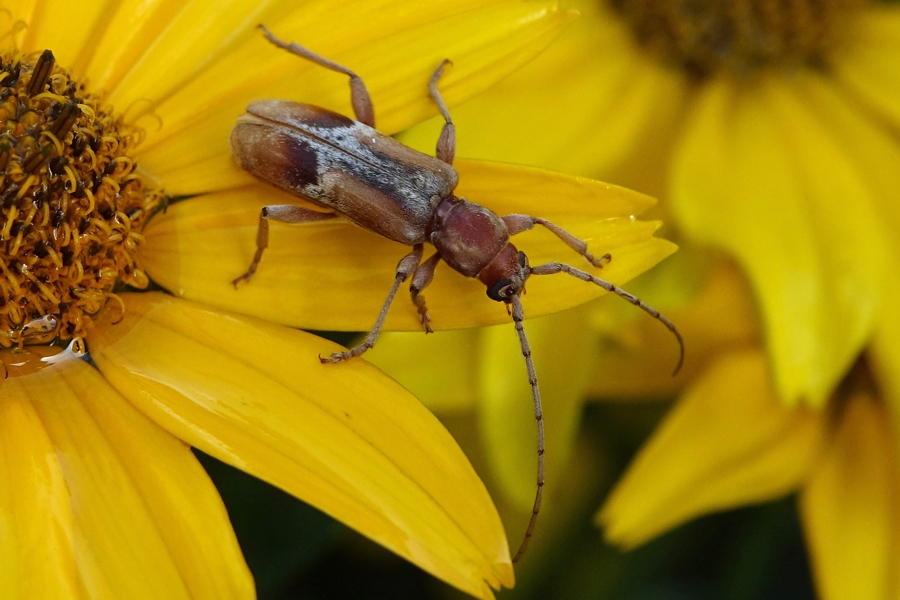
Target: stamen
x,y
33,162
66,120
72,203
41,74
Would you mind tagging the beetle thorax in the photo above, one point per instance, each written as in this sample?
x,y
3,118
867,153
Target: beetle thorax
x,y
468,236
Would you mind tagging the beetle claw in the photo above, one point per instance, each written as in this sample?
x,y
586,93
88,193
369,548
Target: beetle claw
x,y
602,260
245,277
335,357
425,320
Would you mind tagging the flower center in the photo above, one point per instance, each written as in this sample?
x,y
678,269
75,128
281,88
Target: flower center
x,y
704,36
72,205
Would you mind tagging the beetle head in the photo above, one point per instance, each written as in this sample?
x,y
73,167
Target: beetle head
x,y
505,275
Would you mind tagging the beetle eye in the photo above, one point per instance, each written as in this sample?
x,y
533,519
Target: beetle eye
x,y
500,290
523,260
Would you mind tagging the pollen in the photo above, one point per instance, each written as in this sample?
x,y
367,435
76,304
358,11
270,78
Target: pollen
x,y
706,36
72,203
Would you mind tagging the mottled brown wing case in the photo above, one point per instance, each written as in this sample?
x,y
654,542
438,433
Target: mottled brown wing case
x,y
342,164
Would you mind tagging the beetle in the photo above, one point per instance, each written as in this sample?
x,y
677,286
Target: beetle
x,y
351,169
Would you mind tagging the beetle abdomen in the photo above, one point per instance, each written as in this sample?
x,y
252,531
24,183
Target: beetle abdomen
x,y
342,164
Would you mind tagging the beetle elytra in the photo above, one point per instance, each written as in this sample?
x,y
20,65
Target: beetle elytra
x,y
350,169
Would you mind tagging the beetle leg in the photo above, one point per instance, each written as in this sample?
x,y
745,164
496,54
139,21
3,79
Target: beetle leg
x,y
283,213
446,145
555,267
421,278
406,267
519,223
359,95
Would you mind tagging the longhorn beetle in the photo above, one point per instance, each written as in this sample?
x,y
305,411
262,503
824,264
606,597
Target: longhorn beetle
x,y
394,191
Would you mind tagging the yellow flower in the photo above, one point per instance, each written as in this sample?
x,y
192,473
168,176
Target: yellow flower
x,y
101,495
768,130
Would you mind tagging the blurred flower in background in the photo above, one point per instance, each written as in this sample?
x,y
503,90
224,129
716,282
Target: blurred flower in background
x,y
769,131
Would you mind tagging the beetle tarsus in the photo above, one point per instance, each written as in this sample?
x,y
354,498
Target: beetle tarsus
x,y
337,357
248,275
421,278
424,318
602,261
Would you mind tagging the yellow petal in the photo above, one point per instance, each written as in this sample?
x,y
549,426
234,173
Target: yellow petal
x,y
870,63
35,515
132,29
636,358
15,19
180,40
344,438
562,350
142,517
885,350
176,490
876,154
66,28
332,275
762,176
728,442
850,510
395,59
439,369
586,122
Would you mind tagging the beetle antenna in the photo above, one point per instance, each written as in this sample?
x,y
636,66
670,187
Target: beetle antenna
x,y
555,267
518,316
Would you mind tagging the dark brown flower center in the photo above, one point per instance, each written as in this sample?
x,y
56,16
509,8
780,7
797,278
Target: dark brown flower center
x,y
71,205
705,36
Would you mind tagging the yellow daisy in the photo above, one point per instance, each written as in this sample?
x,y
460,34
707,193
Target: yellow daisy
x,y
133,103
768,129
